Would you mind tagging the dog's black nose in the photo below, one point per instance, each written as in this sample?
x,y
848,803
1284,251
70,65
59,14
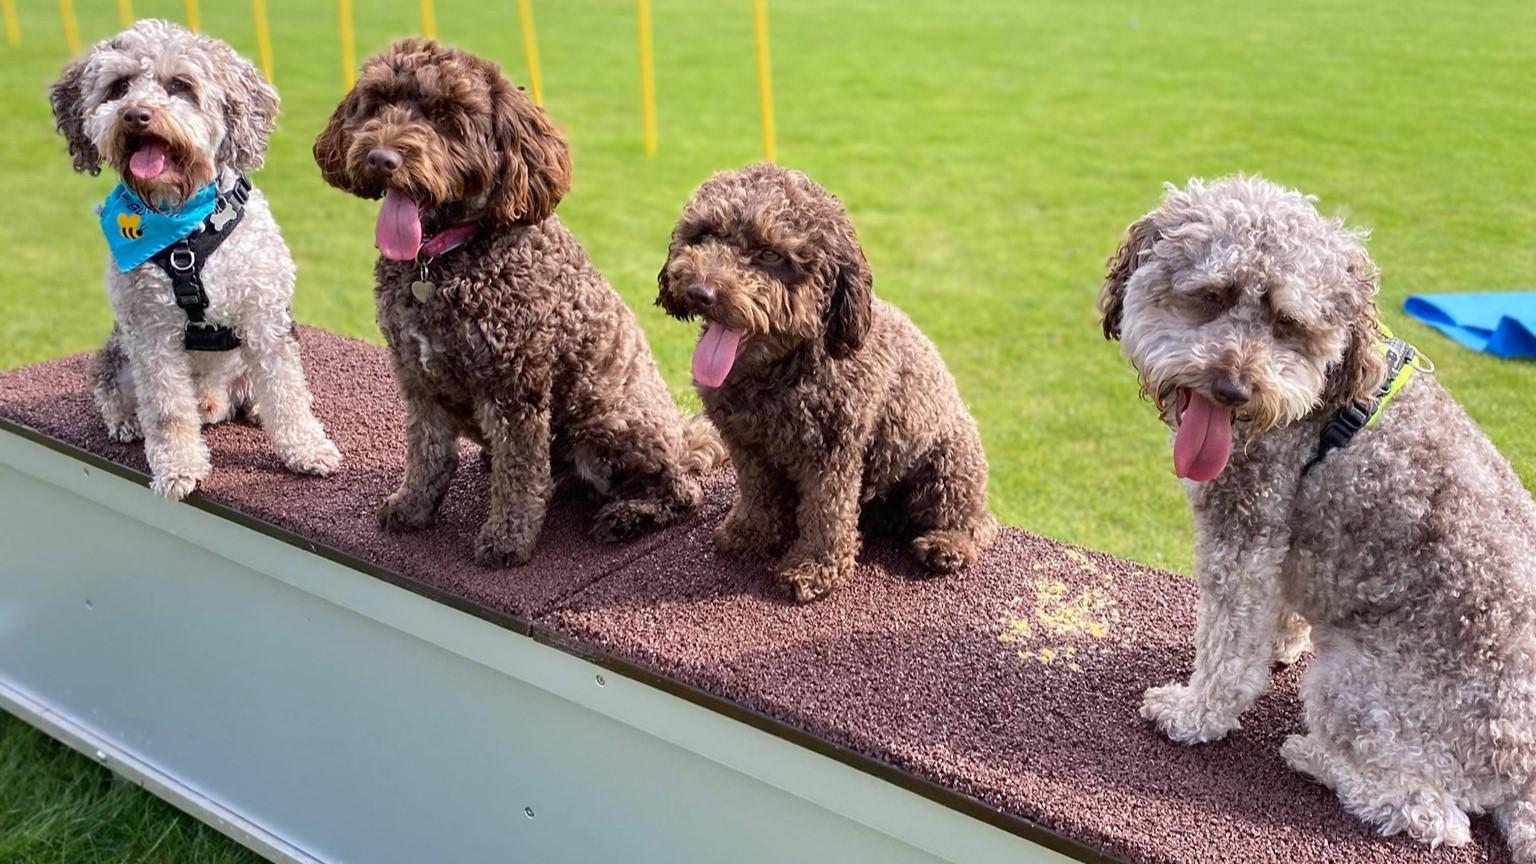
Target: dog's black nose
x,y
137,118
384,159
700,294
1231,391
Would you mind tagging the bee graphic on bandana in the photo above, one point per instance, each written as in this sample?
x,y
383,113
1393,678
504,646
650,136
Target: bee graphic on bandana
x,y
128,226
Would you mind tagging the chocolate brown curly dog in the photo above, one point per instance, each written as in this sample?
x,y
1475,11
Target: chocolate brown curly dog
x,y
500,328
827,398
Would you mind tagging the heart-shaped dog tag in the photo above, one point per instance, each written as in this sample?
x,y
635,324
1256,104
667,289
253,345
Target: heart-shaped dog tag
x,y
422,290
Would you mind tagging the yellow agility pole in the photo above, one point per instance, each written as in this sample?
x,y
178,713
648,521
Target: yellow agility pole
x,y
530,49
12,26
263,37
764,74
125,13
428,20
348,43
71,27
647,77
192,21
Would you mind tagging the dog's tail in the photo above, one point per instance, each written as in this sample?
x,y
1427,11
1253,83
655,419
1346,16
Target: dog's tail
x,y
1517,821
702,448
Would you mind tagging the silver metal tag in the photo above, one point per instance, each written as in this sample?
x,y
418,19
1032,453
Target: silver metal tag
x,y
422,290
222,216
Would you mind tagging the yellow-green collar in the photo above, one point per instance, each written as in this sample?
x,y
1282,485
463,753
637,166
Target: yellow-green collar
x,y
1403,362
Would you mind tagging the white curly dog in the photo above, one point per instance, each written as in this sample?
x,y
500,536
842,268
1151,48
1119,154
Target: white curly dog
x,y
206,330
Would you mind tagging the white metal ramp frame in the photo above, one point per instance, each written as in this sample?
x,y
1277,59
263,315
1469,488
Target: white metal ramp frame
x,y
318,709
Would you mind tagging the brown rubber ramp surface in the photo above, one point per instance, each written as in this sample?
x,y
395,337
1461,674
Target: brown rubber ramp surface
x,y
356,400
1015,683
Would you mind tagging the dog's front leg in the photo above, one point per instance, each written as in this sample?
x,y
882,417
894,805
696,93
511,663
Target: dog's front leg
x,y
517,435
431,455
822,556
167,410
1237,565
283,401
763,512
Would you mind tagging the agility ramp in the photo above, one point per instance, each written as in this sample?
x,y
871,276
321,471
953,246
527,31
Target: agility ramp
x,y
262,657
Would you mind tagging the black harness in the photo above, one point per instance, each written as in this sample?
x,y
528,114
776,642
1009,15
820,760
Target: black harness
x,y
1347,422
183,262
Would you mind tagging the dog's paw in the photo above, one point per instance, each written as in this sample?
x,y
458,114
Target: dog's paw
x,y
1437,822
124,430
495,547
176,485
812,580
320,458
1181,715
177,471
944,551
1305,755
1293,640
401,512
626,519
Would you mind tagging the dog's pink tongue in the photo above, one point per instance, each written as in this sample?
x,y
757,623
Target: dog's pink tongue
x,y
715,354
398,231
148,162
1203,443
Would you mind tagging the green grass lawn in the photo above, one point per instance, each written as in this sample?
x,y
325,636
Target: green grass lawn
x,y
990,153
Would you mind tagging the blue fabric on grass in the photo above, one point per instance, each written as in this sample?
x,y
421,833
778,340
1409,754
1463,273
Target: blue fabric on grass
x,y
1501,324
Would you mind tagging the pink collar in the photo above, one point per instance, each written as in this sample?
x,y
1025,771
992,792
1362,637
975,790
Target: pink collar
x,y
448,239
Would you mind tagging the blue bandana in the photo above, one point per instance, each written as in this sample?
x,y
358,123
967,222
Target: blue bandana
x,y
136,231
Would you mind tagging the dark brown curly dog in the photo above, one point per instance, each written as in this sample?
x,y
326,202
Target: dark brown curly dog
x,y
827,398
501,329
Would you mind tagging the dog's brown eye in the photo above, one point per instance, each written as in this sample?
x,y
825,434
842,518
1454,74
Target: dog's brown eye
x,y
178,86
769,257
118,90
1285,325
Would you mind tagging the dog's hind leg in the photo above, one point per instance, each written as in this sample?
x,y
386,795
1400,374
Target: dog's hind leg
x,y
1389,800
1517,821
271,354
947,506
112,388
703,449
652,477
242,398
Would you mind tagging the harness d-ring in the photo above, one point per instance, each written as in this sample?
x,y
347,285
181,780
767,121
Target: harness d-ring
x,y
191,258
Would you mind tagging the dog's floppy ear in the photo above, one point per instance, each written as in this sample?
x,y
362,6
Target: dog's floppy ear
x,y
1357,374
852,305
535,171
331,144
69,116
1138,240
250,110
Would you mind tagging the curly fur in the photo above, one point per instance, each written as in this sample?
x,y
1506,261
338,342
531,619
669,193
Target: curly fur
x,y
215,124
523,347
1411,551
836,400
